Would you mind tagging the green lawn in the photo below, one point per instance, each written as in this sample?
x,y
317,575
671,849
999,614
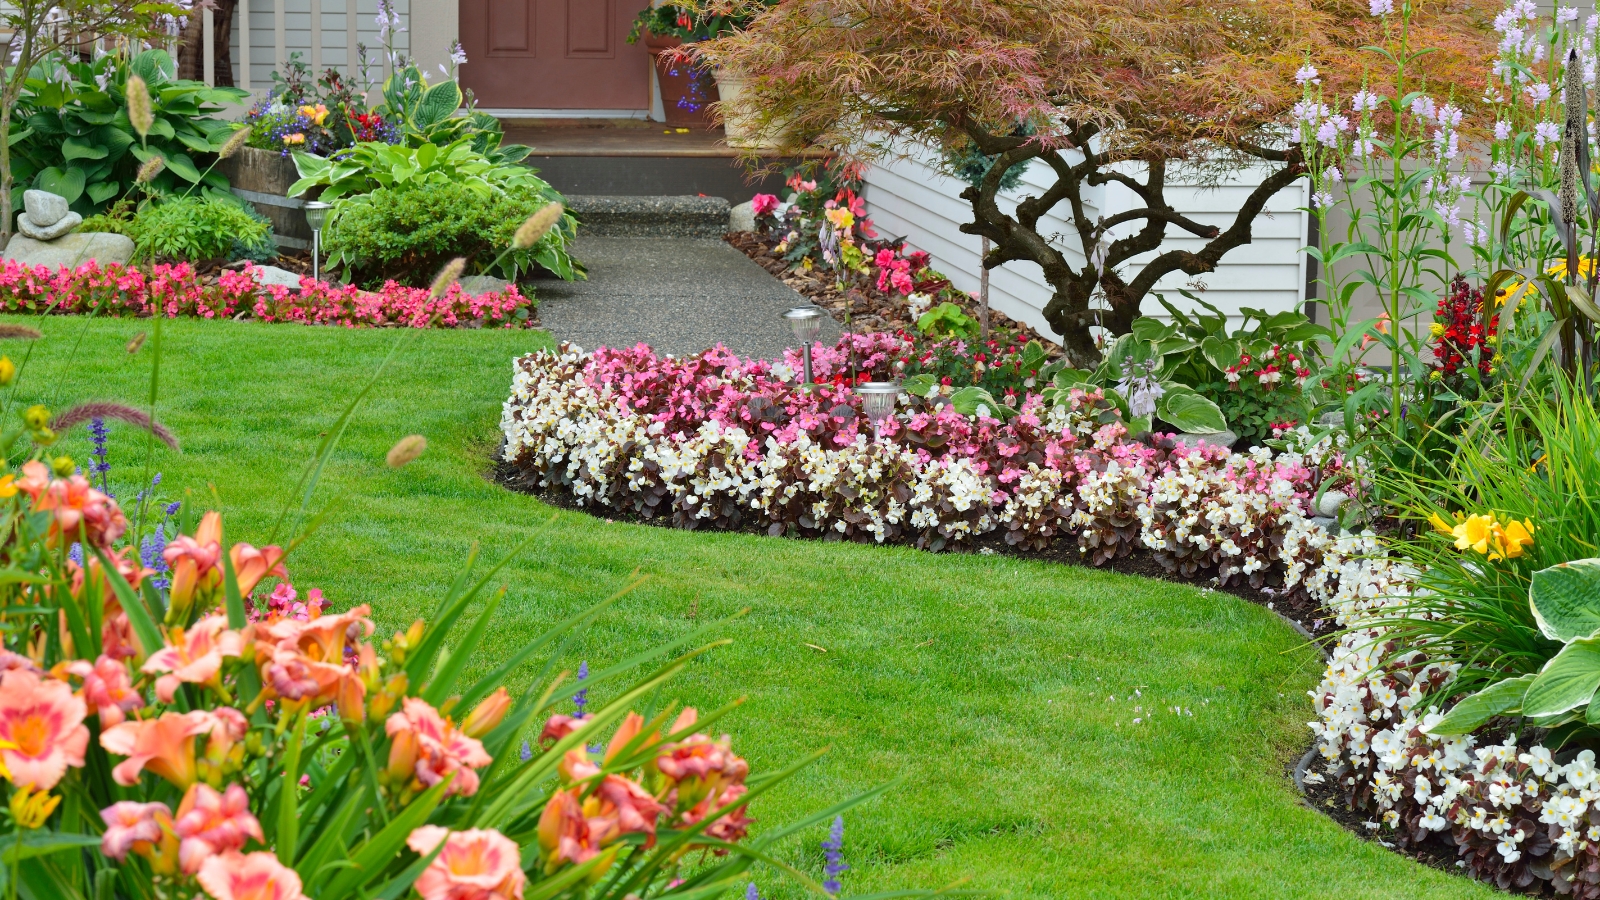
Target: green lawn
x,y
985,683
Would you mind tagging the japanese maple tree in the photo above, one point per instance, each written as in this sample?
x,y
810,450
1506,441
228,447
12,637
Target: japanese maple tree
x,y
1126,92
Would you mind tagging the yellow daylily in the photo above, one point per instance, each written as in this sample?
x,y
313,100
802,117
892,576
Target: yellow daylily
x,y
1441,526
31,808
1511,540
1475,533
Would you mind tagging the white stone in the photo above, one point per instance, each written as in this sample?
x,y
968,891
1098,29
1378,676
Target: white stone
x,y
742,217
71,251
44,208
474,285
1224,439
272,275
65,224
1331,502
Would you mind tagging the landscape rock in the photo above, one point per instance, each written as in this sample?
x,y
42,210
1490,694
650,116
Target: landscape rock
x,y
65,224
1328,524
742,217
72,250
1331,502
44,208
1224,439
272,275
483,284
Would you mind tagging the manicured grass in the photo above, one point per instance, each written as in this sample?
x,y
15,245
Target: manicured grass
x,y
985,683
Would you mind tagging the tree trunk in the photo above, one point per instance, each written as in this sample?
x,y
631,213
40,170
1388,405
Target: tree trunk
x,y
191,49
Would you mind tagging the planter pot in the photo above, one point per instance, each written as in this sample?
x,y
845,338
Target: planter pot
x,y
687,90
739,121
263,178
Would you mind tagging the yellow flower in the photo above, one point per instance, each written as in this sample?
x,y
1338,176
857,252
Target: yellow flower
x,y
1475,533
1585,267
8,370
1440,525
1513,287
315,113
31,808
296,138
8,487
841,218
1436,330
1511,540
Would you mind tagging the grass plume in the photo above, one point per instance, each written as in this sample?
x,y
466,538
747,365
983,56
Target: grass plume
x,y
103,409
537,226
141,113
450,274
10,332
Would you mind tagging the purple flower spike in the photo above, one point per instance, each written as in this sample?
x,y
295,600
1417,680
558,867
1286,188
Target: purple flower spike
x,y
833,850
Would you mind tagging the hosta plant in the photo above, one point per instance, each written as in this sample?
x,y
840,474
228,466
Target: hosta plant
x,y
1137,373
171,728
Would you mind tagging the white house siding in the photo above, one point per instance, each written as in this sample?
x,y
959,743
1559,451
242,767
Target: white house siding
x,y
335,42
909,197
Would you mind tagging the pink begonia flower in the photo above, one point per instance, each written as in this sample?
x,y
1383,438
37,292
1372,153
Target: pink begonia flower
x,y
165,746
209,823
249,876
437,748
107,688
193,656
130,824
42,722
477,864
763,204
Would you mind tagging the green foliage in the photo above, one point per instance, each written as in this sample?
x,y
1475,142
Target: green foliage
x,y
1134,368
407,235
1226,367
193,229
426,114
78,142
1507,618
369,166
947,320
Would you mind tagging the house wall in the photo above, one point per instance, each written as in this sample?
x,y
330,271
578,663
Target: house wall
x,y
911,197
281,27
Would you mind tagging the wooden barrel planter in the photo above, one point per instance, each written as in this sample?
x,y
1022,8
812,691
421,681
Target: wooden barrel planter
x,y
263,178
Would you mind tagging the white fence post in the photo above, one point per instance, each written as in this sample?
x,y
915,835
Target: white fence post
x,y
208,48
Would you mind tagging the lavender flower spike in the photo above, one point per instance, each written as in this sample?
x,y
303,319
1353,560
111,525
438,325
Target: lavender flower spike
x,y
750,892
580,700
833,851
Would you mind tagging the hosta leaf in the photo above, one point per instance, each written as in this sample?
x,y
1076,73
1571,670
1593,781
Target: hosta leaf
x,y
1567,681
1566,600
66,182
1189,411
81,148
1495,700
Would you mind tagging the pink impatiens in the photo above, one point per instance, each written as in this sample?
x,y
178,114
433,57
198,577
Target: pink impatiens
x,y
177,290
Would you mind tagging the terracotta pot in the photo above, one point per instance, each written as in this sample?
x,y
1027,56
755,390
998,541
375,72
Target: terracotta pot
x,y
687,90
654,41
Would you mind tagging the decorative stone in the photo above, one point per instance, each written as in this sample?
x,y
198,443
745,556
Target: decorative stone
x,y
44,208
1330,525
742,217
71,251
272,275
1224,439
1331,503
65,224
483,284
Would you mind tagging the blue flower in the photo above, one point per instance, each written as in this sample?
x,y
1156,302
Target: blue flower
x,y
581,698
833,850
527,752
98,464
750,892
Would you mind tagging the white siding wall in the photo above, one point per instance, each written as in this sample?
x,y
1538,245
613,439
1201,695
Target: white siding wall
x,y
335,42
911,197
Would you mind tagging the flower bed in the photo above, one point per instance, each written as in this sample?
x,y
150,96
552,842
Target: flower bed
x,y
712,440
178,291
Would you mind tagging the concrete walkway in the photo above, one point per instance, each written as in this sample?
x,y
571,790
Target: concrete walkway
x,y
679,295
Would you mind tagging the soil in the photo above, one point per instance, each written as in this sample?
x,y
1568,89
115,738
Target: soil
x,y
868,309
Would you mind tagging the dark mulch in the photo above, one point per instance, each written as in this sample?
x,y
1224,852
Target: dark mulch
x,y
869,308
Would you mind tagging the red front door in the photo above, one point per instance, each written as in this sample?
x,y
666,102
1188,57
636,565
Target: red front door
x,y
554,54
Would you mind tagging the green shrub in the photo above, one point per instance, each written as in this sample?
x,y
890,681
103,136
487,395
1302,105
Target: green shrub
x,y
407,235
192,229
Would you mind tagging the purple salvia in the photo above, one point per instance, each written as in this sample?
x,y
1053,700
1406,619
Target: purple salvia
x,y
580,700
750,892
99,464
527,752
833,850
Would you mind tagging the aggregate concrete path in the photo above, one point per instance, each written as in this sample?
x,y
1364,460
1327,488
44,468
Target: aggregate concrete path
x,y
679,295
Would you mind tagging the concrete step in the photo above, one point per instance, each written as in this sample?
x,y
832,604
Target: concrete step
x,y
614,216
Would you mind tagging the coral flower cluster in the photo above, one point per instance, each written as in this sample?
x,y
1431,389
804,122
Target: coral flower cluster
x,y
178,291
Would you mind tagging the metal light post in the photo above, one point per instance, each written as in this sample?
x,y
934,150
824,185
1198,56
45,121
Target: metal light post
x,y
878,399
316,214
806,323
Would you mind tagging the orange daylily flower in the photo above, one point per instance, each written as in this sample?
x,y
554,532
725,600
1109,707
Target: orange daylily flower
x,y
249,876
477,864
193,655
250,565
41,729
165,746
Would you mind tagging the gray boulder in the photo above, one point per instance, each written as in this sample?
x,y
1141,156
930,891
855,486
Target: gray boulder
x,y
742,217
65,224
72,250
483,284
1331,503
272,275
44,208
1223,439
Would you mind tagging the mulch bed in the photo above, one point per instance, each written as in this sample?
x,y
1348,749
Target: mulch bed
x,y
868,308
